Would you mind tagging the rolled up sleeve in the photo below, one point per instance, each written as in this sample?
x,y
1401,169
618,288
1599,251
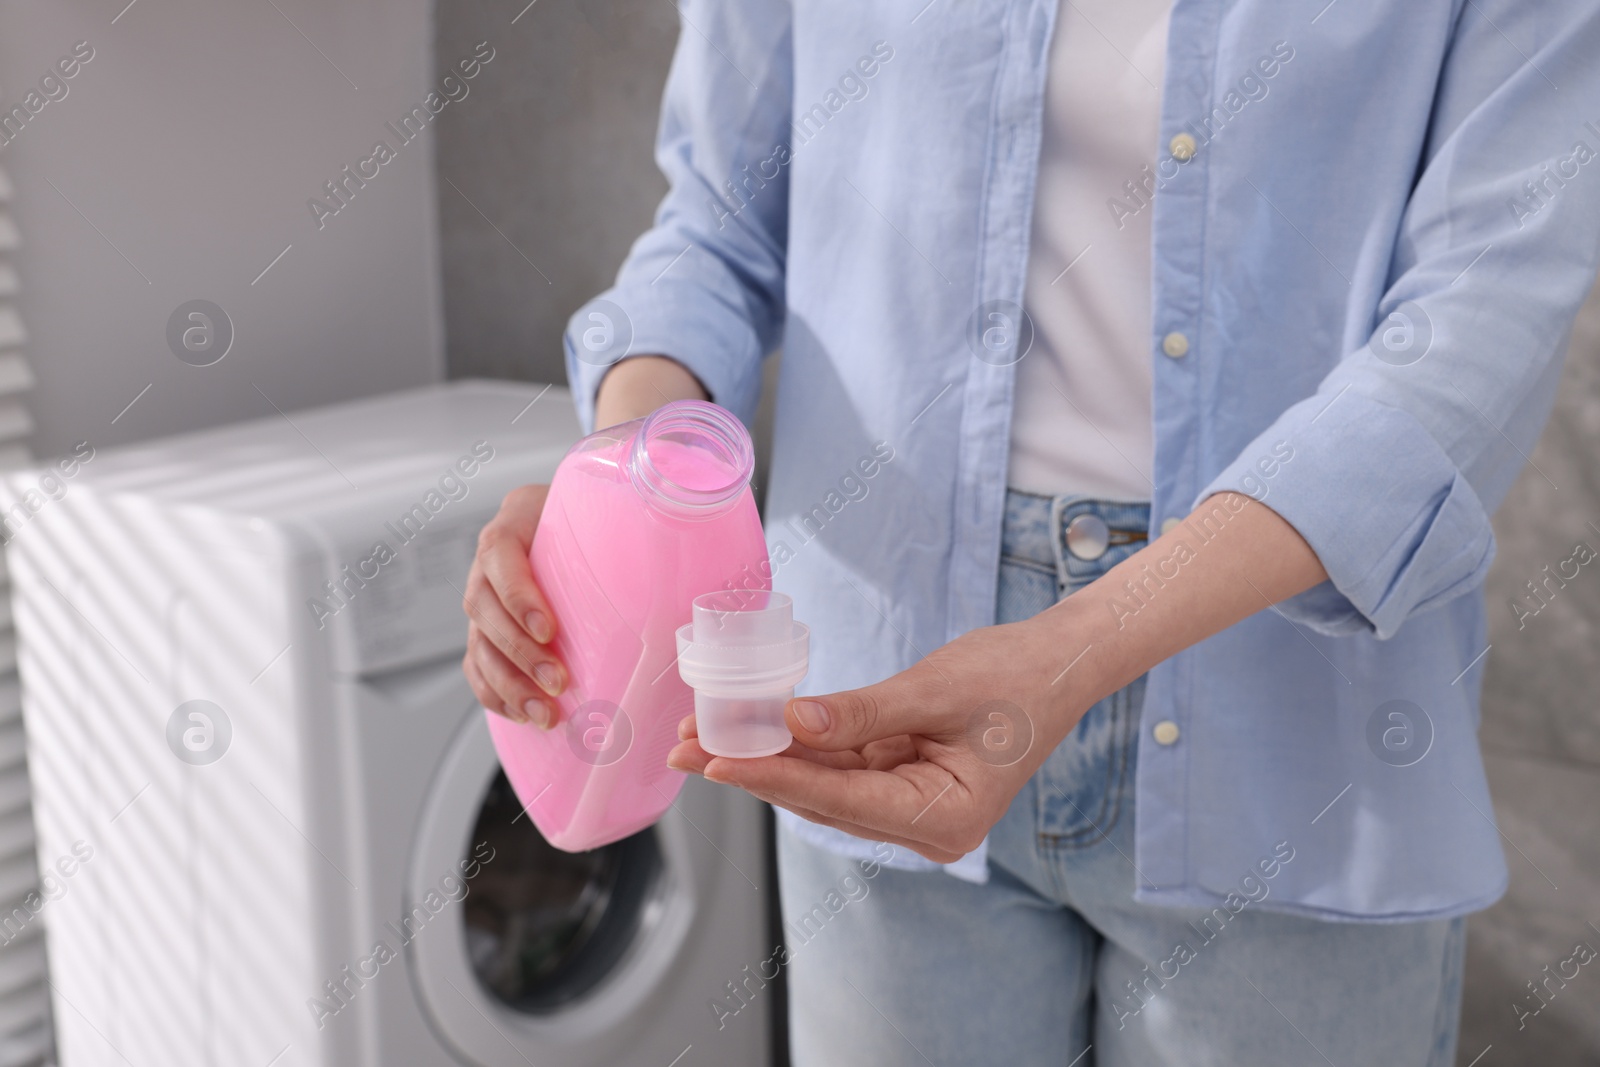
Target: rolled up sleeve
x,y
1398,529
1402,454
704,285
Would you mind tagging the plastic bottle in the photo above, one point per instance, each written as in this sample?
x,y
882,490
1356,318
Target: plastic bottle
x,y
641,519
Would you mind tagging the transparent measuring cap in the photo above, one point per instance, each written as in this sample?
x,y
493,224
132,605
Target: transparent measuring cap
x,y
743,654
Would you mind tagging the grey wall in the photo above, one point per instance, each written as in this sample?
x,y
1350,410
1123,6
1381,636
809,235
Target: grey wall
x,y
1541,739
554,149
178,166
546,170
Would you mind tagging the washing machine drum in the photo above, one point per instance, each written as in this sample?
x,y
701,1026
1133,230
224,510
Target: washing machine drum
x,y
543,926
557,958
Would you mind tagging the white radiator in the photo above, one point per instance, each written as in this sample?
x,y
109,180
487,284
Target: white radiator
x,y
25,1031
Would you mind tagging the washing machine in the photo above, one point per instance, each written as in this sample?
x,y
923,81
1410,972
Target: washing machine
x,y
279,831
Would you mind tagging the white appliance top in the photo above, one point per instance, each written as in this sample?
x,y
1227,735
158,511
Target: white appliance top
x,y
417,472
299,464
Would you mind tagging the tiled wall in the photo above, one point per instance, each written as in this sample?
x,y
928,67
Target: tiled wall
x,y
550,179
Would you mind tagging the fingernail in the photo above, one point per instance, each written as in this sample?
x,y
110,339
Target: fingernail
x,y
548,675
514,713
812,715
537,713
538,626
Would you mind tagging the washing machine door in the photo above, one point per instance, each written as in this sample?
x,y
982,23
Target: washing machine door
x,y
563,959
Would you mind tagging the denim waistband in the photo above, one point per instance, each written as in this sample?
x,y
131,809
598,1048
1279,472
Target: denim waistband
x,y
1036,530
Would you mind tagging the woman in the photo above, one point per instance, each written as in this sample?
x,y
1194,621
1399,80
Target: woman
x,y
1189,352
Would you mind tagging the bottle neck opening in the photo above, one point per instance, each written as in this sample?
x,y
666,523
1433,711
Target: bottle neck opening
x,y
692,459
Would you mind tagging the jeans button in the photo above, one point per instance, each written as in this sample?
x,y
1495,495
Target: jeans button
x,y
1088,537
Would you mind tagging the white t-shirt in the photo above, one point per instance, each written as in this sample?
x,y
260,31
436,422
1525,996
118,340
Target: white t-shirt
x,y
1083,391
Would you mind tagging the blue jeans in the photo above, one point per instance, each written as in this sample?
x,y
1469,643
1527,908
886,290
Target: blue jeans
x,y
1052,962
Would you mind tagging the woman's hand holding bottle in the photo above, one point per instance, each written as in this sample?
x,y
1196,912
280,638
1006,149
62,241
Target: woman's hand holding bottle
x,y
509,662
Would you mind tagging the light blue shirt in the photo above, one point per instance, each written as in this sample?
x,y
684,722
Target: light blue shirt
x,y
1373,224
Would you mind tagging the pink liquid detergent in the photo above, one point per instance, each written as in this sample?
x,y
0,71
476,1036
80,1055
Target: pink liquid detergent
x,y
641,519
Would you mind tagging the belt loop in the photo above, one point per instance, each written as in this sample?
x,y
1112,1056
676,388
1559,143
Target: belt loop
x,y
1058,539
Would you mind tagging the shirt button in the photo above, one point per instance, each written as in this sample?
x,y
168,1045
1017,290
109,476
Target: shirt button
x,y
1165,732
1182,147
1175,345
1168,525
